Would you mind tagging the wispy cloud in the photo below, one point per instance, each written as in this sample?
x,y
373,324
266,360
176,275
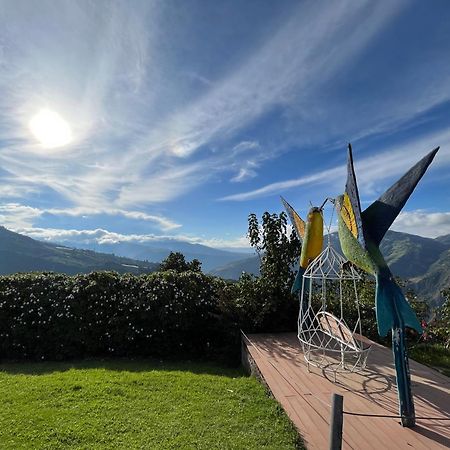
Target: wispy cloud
x,y
371,171
246,159
278,187
133,146
102,236
17,215
16,191
14,215
151,125
423,223
162,222
245,173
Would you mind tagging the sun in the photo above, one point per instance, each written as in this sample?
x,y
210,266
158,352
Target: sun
x,y
50,129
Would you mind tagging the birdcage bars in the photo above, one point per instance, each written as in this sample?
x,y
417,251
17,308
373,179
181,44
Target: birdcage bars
x,y
327,341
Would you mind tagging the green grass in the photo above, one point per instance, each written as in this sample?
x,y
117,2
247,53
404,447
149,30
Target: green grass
x,y
433,355
136,404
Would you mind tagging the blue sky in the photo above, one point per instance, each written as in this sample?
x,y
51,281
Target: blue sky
x,y
185,116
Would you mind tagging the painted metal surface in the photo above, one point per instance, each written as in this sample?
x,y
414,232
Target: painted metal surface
x,y
360,234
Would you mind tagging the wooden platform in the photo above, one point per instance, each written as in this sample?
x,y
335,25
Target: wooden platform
x,y
306,397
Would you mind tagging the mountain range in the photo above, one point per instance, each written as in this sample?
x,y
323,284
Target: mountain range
x,y
20,253
158,249
423,262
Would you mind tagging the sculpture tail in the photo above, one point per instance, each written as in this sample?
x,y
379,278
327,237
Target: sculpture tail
x,y
297,286
394,312
392,308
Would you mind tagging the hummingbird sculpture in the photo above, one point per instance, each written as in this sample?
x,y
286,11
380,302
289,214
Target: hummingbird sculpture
x,y
360,235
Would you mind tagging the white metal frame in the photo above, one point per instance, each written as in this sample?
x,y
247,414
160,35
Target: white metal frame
x,y
327,341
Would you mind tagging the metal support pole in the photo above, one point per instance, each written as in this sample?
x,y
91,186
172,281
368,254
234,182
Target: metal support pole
x,y
336,423
405,398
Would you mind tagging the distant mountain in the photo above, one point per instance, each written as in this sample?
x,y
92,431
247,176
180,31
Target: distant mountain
x,y
436,278
158,250
444,239
423,262
233,270
20,253
409,255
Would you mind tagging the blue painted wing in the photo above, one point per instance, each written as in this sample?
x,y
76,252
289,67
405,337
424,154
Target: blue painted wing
x,y
378,217
351,207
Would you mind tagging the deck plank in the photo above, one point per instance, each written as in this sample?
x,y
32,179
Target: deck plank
x,y
305,394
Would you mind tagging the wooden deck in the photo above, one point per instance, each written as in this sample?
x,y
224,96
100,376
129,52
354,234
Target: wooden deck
x,y
306,397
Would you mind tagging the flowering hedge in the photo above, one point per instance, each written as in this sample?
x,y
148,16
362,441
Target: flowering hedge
x,y
55,316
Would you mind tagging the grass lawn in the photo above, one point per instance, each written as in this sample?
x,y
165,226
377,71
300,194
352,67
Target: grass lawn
x,y
433,355
137,404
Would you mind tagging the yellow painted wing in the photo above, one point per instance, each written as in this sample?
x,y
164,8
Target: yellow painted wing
x,y
296,220
348,215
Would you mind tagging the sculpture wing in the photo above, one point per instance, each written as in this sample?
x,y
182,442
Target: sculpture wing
x,y
351,207
296,220
378,217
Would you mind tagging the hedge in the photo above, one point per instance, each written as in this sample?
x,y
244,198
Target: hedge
x,y
55,316
169,313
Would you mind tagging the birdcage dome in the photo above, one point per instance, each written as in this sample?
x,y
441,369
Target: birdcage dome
x,y
330,265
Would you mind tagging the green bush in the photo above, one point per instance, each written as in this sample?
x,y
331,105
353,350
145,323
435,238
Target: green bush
x,y
261,306
438,330
53,316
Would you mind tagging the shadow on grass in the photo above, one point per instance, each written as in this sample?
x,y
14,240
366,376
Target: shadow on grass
x,y
120,365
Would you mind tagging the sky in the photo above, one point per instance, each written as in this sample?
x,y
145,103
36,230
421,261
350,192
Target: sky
x,y
136,120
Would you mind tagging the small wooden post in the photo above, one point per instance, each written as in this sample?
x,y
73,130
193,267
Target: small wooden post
x,y
337,420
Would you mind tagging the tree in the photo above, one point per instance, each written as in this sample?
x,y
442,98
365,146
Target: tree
x,y
440,326
176,261
277,250
266,302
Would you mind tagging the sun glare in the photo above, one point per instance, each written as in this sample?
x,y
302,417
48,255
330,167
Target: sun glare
x,y
50,129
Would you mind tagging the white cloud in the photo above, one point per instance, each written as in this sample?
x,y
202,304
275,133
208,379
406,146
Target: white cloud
x,y
140,139
106,73
162,222
371,171
244,146
102,236
14,215
252,157
423,223
244,173
17,215
278,187
16,191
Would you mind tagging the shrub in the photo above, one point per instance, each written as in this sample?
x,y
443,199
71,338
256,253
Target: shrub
x,y
438,329
53,316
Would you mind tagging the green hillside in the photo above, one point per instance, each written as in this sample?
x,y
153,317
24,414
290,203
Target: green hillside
x,y
423,262
233,270
409,255
444,240
20,253
436,278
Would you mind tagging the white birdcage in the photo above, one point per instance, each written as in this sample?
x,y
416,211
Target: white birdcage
x,y
328,342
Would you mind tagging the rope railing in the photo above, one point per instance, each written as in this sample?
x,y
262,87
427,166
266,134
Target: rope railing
x,y
385,416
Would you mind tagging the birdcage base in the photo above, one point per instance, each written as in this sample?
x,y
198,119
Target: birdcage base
x,y
330,354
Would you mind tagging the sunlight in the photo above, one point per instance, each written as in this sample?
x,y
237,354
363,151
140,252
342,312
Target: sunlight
x,y
50,129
